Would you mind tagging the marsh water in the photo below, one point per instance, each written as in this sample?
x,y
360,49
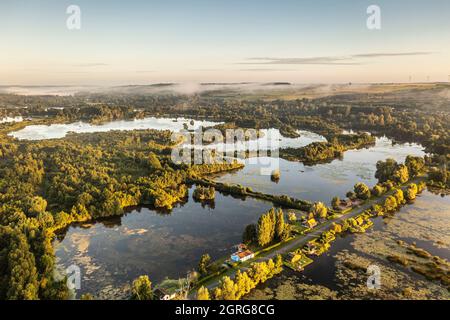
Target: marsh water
x,y
111,253
11,119
424,223
320,182
145,241
60,130
270,138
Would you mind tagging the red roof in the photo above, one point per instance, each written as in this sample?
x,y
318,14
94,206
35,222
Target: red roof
x,y
244,254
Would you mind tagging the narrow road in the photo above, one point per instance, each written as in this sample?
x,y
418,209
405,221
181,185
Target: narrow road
x,y
297,242
300,241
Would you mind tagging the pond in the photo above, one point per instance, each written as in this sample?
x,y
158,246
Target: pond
x,y
111,254
320,182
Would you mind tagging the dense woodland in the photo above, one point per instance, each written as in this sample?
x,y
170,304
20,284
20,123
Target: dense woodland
x,y
47,185
404,116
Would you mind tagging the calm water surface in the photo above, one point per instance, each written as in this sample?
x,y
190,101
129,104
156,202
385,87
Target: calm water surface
x,y
11,119
323,181
423,222
57,131
114,252
144,241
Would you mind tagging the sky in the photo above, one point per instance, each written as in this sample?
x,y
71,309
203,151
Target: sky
x,y
143,42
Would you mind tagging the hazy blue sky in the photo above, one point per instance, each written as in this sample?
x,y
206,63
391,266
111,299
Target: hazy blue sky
x,y
123,42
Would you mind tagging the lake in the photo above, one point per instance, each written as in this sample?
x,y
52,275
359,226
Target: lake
x,y
114,252
270,138
60,130
320,182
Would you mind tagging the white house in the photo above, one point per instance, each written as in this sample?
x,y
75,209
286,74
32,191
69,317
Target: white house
x,y
242,256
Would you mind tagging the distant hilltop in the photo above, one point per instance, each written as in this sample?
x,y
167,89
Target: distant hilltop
x,y
277,84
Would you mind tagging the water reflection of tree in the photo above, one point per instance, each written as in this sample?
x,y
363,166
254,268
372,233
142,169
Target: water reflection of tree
x,y
211,204
112,222
439,191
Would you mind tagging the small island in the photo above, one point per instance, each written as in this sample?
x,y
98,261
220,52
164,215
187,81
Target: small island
x,y
204,193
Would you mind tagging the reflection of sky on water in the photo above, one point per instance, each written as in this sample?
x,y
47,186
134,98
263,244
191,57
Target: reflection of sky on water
x,y
160,245
56,131
323,181
114,252
271,139
425,222
11,119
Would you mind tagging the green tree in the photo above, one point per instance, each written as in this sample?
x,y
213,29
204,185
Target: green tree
x,y
399,196
335,202
203,294
377,190
37,205
362,191
390,204
271,267
154,162
218,294
259,272
401,174
250,234
87,296
244,283
203,263
265,229
385,169
280,225
229,289
411,192
18,277
319,210
142,289
415,165
278,264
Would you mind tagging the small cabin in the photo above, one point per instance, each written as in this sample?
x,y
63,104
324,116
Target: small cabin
x,y
242,256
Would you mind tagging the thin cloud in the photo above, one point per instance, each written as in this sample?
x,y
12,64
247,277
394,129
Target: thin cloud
x,y
312,60
89,65
330,60
394,54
